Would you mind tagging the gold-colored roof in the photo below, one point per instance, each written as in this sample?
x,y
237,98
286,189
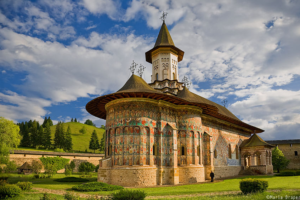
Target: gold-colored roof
x,y
254,141
137,84
164,37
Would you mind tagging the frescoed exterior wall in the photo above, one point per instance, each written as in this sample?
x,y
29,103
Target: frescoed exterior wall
x,y
144,134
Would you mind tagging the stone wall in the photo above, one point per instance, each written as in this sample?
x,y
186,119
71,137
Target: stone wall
x,y
20,157
191,174
227,171
128,176
289,153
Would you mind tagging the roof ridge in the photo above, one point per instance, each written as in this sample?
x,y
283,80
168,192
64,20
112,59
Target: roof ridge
x,y
164,37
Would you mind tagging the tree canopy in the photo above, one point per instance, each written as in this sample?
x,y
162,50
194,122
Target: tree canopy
x,y
278,160
9,138
94,142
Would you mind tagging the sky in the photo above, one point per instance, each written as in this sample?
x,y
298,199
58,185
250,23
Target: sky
x,y
57,55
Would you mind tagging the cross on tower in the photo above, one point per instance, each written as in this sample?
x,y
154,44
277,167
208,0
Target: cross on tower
x,y
164,16
132,67
186,82
140,71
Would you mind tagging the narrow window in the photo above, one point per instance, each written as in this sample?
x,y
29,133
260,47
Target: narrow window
x,y
237,151
182,151
156,76
173,76
229,151
154,150
215,153
198,150
296,153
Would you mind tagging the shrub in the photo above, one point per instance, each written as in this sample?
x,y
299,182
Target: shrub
x,y
8,190
96,186
253,185
68,170
72,165
71,179
286,174
69,196
11,166
297,173
86,167
36,166
96,168
36,176
25,186
47,196
129,194
53,164
59,150
4,178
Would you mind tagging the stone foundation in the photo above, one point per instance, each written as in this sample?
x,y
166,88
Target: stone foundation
x,y
191,174
227,171
128,176
262,169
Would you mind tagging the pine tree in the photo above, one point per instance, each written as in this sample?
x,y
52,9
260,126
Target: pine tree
x,y
57,138
94,142
68,140
88,122
41,136
83,130
34,134
45,121
102,143
47,135
72,119
62,135
50,121
25,142
75,120
30,124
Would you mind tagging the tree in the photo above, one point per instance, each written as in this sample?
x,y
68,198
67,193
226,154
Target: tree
x,y
47,136
75,120
36,166
102,126
72,119
45,121
41,137
278,160
72,165
50,121
9,138
25,142
94,142
57,138
62,136
102,143
34,134
83,130
68,140
89,122
86,167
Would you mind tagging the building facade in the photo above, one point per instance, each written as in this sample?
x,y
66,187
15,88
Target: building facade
x,y
163,134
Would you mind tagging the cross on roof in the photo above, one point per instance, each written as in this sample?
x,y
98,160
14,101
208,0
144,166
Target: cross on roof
x,y
140,71
164,16
186,82
132,67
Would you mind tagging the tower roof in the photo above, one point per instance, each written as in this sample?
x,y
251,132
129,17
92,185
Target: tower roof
x,y
164,40
164,37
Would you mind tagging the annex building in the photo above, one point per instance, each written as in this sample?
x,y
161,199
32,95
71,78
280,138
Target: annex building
x,y
163,134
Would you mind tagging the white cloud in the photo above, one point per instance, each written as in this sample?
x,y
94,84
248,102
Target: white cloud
x,y
3,72
90,27
108,7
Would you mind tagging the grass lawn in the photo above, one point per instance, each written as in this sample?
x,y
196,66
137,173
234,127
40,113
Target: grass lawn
x,y
275,182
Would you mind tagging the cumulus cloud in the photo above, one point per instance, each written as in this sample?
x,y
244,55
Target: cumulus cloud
x,y
109,7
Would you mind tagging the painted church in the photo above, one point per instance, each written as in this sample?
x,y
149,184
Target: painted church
x,y
163,134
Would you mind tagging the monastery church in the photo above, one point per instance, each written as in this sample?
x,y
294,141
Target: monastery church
x,y
162,134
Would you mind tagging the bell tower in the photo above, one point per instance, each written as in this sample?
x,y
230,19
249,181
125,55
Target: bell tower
x,y
164,57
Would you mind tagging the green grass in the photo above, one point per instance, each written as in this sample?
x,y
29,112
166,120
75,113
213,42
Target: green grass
x,y
28,196
80,141
275,182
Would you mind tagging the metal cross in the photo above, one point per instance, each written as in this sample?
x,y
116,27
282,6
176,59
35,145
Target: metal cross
x,y
140,71
186,82
132,67
164,16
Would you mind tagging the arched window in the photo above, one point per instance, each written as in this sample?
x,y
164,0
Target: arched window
x,y
156,76
198,150
229,151
154,150
110,150
182,151
215,153
237,152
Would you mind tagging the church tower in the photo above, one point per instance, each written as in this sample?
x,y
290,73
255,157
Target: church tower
x,y
164,57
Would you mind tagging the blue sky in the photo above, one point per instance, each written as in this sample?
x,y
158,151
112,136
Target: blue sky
x,y
55,56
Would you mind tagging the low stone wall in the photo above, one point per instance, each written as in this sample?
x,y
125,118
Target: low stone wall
x,y
128,176
191,174
226,171
20,157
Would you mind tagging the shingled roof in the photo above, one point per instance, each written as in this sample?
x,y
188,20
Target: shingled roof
x,y
26,165
137,87
255,140
296,141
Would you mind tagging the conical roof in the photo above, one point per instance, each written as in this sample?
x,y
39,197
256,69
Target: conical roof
x,y
26,165
137,84
255,140
164,37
